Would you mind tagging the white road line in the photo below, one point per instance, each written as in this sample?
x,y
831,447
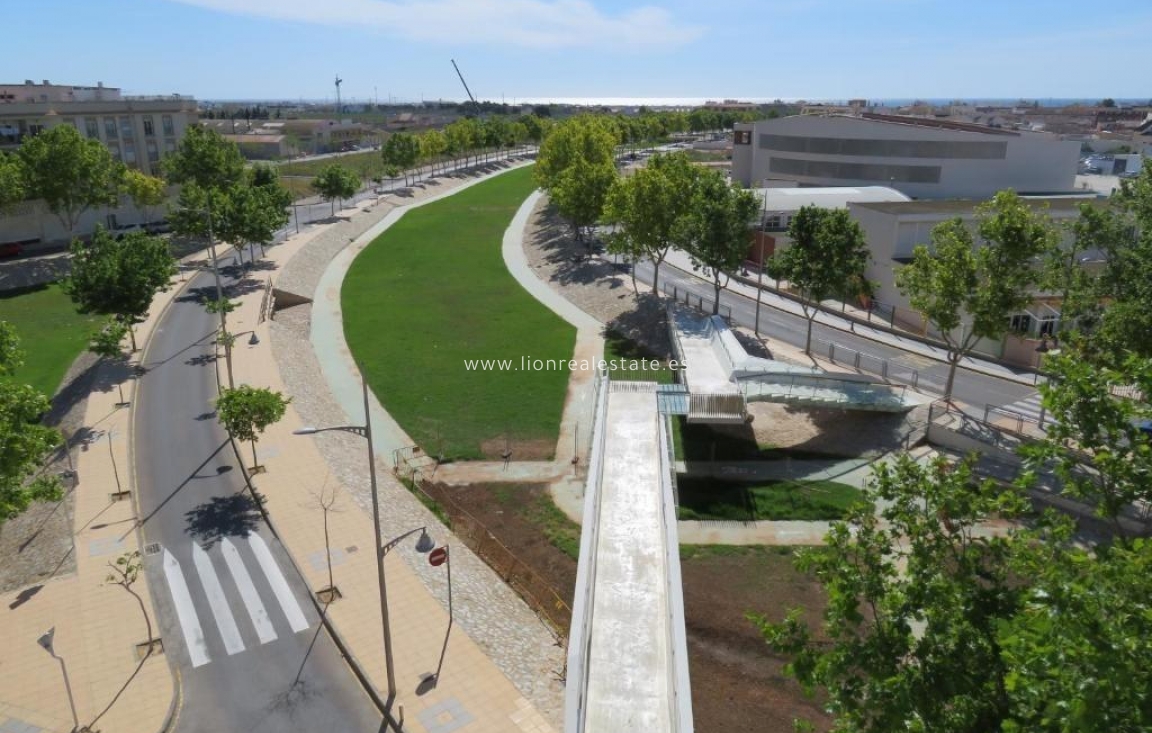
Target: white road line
x,y
233,644
185,612
279,585
248,592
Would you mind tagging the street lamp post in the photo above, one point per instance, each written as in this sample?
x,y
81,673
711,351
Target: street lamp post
x,y
365,431
46,641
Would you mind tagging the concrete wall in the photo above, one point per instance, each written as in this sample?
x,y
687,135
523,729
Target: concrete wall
x,y
33,221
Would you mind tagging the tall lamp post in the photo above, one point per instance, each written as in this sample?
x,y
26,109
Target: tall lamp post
x,y
365,431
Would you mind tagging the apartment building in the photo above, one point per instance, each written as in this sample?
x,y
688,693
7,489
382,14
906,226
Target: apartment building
x,y
138,130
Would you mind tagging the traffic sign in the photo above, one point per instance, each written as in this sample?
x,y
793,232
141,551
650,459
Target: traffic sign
x,y
438,556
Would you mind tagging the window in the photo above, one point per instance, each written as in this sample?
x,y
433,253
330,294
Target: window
x,y
169,146
169,128
743,137
92,127
130,152
953,149
126,128
775,221
35,128
114,148
1020,323
153,151
855,171
110,128
149,129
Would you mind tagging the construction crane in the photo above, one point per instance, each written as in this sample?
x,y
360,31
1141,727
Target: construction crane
x,y
475,104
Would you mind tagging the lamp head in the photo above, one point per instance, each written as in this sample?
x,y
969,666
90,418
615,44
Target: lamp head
x,y
308,430
425,543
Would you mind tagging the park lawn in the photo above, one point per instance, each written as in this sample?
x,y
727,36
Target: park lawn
x,y
52,334
702,497
366,164
625,357
432,292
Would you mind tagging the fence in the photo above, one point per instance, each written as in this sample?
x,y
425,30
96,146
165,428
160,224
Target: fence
x,y
702,303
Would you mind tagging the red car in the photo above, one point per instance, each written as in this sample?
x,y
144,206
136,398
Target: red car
x,y
11,249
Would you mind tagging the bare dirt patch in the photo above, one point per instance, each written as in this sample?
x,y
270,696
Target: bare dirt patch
x,y
518,450
848,433
737,684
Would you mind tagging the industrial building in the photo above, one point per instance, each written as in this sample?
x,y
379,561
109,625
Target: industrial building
x,y
921,157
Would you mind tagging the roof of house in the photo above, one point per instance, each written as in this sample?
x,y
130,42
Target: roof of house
x,y
830,197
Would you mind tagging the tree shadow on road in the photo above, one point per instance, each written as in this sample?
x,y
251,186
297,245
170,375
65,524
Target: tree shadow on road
x,y
236,515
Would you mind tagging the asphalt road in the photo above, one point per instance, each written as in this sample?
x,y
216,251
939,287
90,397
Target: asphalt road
x,y
971,387
235,617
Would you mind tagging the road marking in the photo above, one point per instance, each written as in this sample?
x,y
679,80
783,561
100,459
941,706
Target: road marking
x,y
248,592
233,644
279,584
185,612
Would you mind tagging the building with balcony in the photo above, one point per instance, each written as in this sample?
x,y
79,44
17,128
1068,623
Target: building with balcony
x,y
138,131
921,157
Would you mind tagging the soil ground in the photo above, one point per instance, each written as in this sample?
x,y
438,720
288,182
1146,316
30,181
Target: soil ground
x,y
738,685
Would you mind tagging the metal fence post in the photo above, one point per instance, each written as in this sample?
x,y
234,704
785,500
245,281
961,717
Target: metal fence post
x,y
857,361
831,352
884,369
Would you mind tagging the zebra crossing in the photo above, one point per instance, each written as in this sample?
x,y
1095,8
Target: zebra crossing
x,y
209,588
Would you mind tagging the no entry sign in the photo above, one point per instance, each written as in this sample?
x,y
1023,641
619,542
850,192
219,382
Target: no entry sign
x,y
438,556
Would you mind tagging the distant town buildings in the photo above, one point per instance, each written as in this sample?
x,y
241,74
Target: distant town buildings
x,y
921,157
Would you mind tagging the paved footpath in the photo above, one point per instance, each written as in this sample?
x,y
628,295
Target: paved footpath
x,y
475,691
97,625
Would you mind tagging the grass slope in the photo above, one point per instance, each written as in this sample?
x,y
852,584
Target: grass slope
x,y
52,334
433,291
706,498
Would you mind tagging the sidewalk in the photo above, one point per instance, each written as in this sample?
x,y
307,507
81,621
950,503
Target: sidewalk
x,y
472,690
98,625
682,262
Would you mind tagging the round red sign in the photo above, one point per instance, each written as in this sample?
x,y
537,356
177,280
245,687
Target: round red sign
x,y
438,556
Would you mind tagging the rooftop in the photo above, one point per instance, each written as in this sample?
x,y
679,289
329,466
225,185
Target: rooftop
x,y
831,197
1061,203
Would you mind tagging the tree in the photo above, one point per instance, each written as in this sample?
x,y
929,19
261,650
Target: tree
x,y
12,188
1094,443
24,442
246,411
647,206
403,151
70,172
715,231
119,277
916,597
956,281
251,215
147,192
205,158
1108,102
106,342
827,257
580,191
336,182
586,138
432,146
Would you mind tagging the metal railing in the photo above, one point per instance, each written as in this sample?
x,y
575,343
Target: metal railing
x,y
701,303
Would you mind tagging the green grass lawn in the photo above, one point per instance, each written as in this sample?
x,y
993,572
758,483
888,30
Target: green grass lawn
x,y
366,164
702,497
629,356
432,292
52,334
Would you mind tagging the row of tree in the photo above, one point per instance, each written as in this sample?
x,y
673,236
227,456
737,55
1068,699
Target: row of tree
x,y
932,622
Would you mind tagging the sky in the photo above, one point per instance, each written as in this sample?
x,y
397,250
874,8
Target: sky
x,y
519,50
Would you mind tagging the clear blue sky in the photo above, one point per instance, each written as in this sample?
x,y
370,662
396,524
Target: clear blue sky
x,y
265,49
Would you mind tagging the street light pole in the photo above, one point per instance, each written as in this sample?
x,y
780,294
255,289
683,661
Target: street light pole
x,y
220,296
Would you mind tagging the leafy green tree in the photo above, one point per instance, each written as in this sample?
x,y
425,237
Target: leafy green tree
x,y
647,206
714,233
246,411
24,442
1094,443
106,343
462,137
119,277
70,172
403,151
148,193
585,138
828,256
251,215
433,144
969,292
579,193
205,158
336,182
916,599
12,188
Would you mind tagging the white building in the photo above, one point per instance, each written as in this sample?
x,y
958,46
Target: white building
x,y
921,157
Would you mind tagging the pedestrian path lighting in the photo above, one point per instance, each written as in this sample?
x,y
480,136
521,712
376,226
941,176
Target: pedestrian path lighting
x,y
365,431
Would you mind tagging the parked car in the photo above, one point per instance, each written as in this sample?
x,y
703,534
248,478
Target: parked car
x,y
11,249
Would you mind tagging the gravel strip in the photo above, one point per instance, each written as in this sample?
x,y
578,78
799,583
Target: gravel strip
x,y
490,612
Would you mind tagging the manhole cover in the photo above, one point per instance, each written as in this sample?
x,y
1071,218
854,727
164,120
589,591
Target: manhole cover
x,y
152,548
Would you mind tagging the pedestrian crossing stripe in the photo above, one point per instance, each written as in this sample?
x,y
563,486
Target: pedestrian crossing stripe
x,y
214,594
